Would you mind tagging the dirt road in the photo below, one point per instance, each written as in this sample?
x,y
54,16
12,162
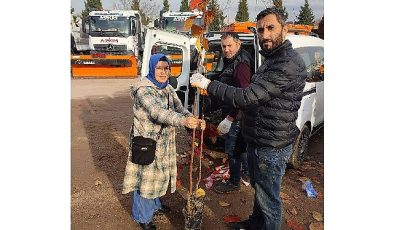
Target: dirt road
x,y
99,127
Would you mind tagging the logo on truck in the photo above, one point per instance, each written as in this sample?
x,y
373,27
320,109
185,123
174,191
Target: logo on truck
x,y
109,40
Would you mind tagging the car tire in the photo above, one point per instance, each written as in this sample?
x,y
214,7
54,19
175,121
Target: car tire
x,y
299,148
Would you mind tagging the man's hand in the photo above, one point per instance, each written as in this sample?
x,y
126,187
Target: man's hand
x,y
199,81
224,126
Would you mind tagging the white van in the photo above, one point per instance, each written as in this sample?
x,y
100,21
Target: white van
x,y
311,49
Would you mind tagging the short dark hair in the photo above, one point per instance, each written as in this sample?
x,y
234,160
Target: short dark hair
x,y
229,34
272,10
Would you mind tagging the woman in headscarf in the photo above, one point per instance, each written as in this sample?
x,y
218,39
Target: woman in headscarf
x,y
157,109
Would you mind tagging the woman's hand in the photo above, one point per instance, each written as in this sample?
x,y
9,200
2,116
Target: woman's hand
x,y
190,122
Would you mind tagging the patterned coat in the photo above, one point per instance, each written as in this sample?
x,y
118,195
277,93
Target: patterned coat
x,y
150,112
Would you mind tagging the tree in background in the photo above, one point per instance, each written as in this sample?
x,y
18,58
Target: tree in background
x,y
184,6
218,20
135,4
306,16
242,13
166,6
74,17
148,9
91,5
278,4
320,29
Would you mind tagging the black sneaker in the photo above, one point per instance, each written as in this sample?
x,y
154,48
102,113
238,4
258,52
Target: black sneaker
x,y
148,226
243,225
226,187
163,209
245,177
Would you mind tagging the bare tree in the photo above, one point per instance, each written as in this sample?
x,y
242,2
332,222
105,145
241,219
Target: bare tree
x,y
148,8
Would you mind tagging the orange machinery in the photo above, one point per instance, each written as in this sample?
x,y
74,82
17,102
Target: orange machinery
x,y
103,65
240,27
176,63
299,29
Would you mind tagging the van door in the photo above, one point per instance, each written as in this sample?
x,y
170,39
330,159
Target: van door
x,y
177,48
318,78
312,105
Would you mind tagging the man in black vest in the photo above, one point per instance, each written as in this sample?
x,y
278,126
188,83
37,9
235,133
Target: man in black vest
x,y
269,112
237,71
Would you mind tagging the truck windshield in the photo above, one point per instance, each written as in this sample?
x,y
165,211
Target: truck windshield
x,y
110,25
178,23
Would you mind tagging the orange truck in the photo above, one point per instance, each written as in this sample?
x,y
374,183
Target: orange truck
x,y
115,43
239,27
243,27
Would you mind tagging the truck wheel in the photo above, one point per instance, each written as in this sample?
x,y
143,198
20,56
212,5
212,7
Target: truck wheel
x,y
299,148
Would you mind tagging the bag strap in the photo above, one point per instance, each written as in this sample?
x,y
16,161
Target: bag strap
x,y
132,124
168,107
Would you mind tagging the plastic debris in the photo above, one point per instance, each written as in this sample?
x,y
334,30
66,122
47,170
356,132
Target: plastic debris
x,y
208,182
200,193
231,218
308,188
220,173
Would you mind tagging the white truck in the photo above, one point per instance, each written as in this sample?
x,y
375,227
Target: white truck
x,y
109,38
311,49
175,21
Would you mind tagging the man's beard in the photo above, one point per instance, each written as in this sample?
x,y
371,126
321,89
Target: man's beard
x,y
275,43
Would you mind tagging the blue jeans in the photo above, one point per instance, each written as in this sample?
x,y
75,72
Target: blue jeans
x,y
142,209
266,169
235,148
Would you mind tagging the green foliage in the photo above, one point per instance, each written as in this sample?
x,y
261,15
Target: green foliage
x,y
306,16
91,5
278,4
218,20
166,5
184,6
242,13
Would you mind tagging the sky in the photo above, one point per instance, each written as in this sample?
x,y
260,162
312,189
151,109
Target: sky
x,y
230,7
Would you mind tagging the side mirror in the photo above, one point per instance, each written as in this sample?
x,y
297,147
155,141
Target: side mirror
x,y
156,23
85,25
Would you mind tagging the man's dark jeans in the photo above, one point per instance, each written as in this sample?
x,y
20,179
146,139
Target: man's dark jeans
x,y
235,148
266,169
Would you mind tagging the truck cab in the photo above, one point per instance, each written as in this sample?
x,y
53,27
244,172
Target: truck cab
x,y
116,31
175,21
311,113
114,45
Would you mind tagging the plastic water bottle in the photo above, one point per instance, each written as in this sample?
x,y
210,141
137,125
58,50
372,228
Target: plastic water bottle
x,y
308,187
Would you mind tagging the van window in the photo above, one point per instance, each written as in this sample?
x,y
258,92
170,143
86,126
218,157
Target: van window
x,y
314,62
215,49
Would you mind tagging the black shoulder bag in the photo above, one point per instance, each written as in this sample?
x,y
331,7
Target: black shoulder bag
x,y
143,149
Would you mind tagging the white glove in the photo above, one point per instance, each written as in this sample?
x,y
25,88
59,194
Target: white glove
x,y
224,126
199,81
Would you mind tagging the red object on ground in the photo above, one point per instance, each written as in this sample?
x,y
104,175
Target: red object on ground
x,y
231,218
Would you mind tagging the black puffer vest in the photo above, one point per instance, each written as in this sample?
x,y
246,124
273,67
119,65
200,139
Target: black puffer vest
x,y
227,76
